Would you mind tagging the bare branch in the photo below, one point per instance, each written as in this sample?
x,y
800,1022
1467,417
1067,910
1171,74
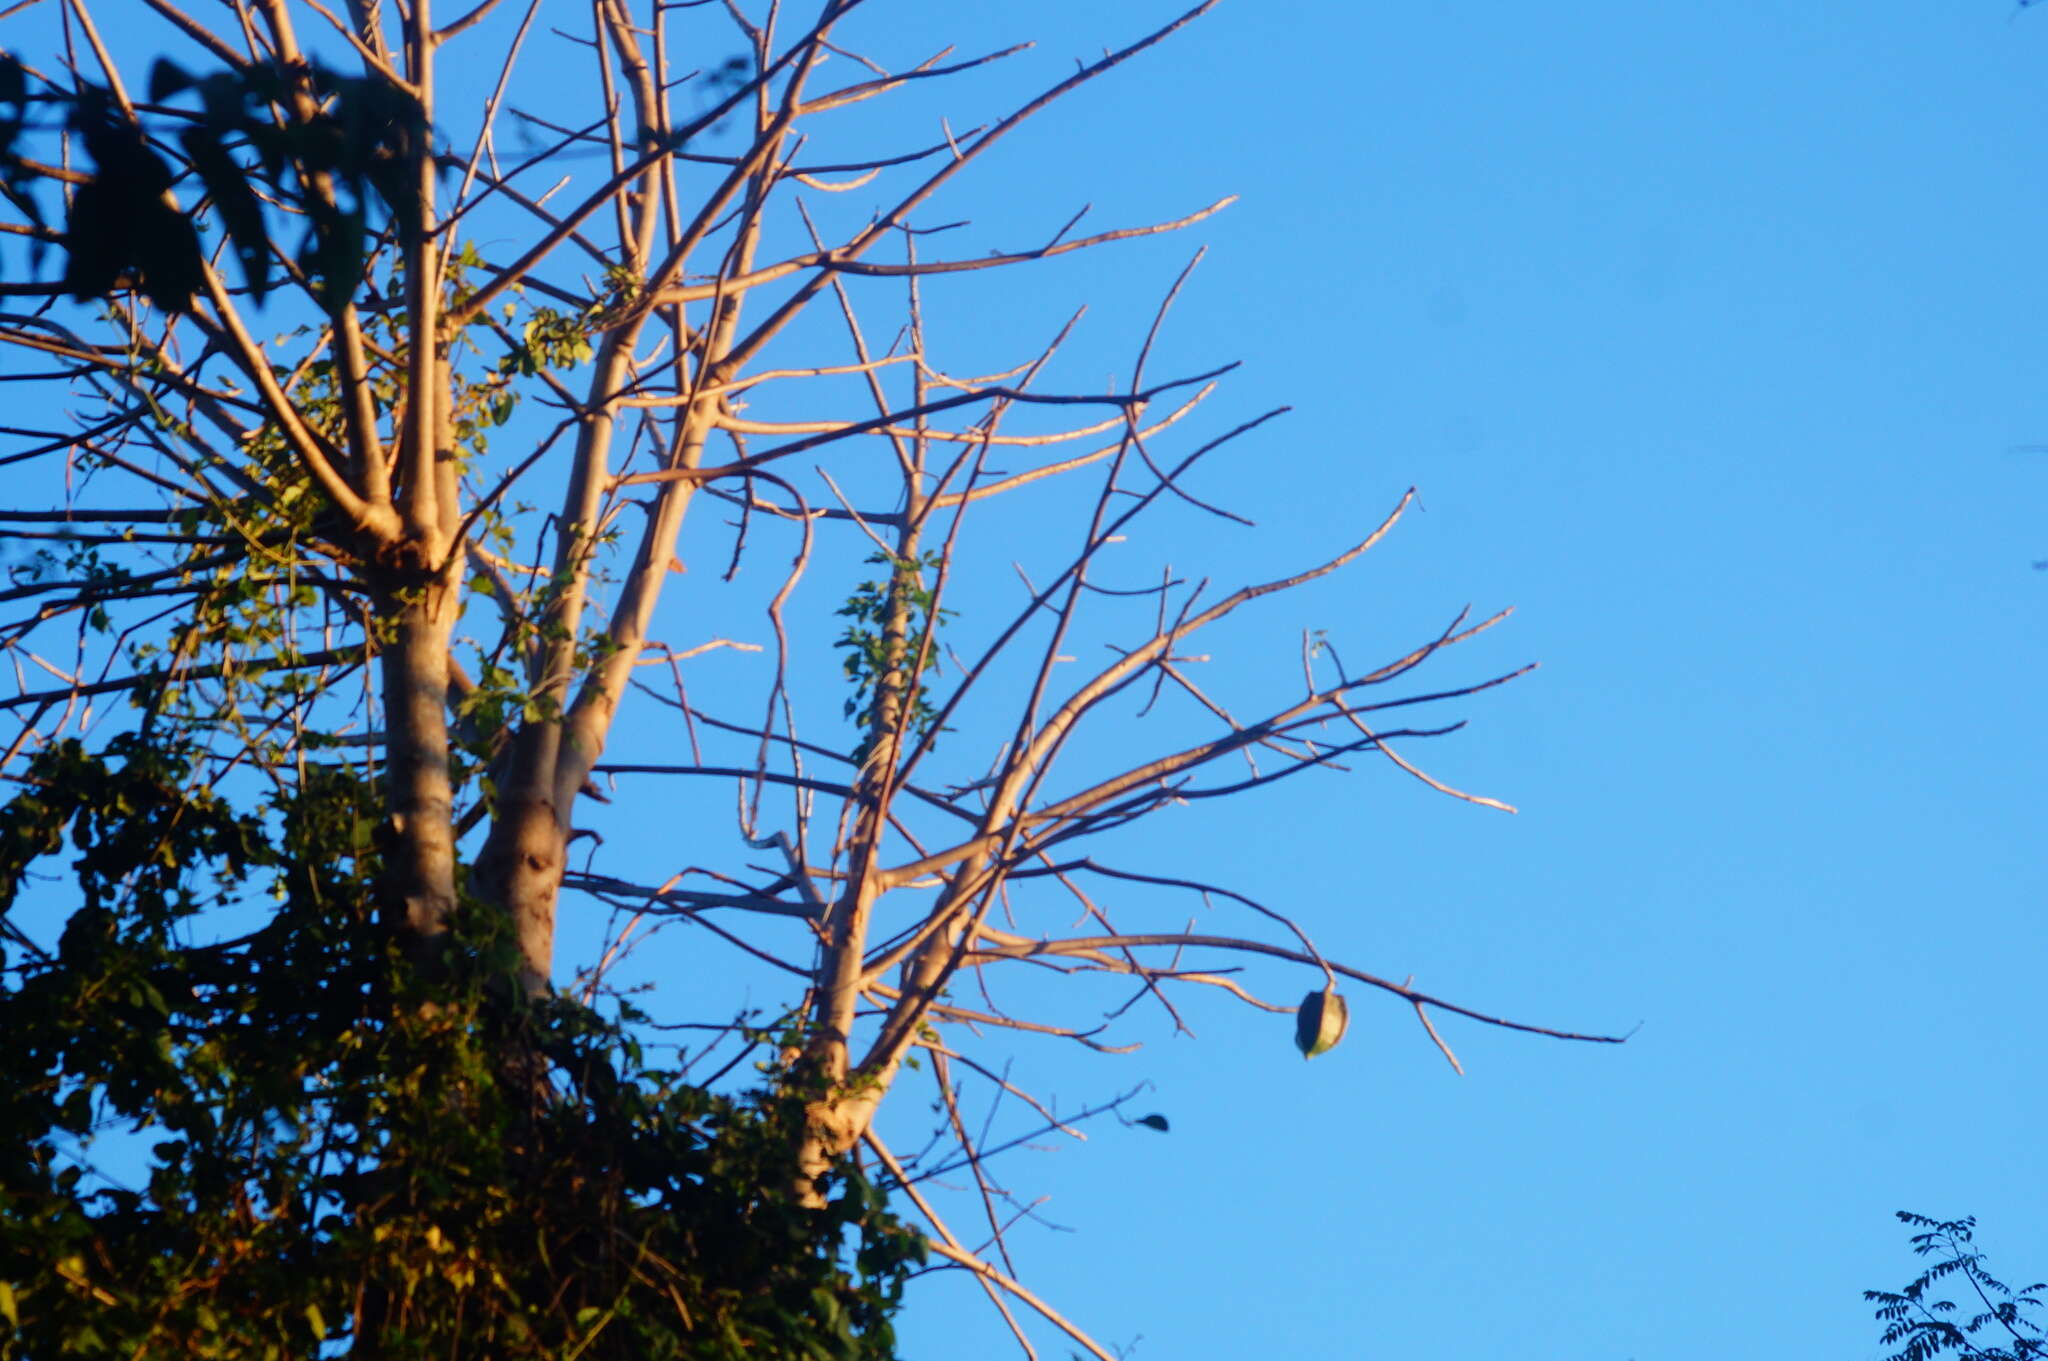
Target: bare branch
x,y
1082,944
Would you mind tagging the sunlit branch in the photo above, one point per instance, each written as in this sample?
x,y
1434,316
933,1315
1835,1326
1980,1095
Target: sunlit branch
x,y
913,413
924,70
1083,944
181,675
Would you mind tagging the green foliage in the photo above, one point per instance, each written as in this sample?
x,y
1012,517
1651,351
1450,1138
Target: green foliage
x,y
550,340
889,623
80,566
344,1146
1922,1328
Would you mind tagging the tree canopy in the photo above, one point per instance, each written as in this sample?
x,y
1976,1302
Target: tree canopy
x,y
335,652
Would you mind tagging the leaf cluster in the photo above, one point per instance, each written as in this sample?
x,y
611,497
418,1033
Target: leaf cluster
x,y
343,150
338,1149
353,142
122,222
1922,1328
549,340
888,622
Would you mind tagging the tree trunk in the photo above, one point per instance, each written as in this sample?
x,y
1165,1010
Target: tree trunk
x,y
421,862
519,870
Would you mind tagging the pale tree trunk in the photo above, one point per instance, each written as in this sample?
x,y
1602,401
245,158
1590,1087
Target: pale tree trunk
x,y
520,868
422,592
415,668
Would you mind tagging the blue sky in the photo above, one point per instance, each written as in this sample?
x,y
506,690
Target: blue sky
x,y
1711,338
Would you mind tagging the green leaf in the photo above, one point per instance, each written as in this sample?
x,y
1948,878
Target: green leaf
x,y
1320,1021
7,1306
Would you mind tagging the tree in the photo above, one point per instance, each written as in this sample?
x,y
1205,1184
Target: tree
x,y
1923,1328
341,658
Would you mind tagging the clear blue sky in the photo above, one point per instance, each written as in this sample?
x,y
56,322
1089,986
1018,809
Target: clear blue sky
x,y
1713,339
1708,336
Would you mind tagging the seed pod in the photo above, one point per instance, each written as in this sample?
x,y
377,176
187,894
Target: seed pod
x,y
1319,1022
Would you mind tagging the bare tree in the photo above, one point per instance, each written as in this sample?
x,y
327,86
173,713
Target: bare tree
x,y
652,318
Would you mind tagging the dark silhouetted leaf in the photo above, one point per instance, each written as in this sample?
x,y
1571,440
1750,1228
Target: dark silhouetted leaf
x,y
167,78
96,239
13,81
240,211
1157,1122
121,220
167,249
332,255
